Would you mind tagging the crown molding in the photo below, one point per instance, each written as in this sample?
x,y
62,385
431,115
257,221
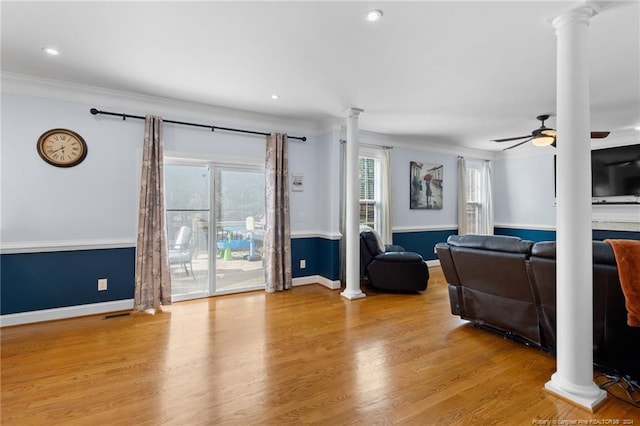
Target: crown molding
x,y
137,104
417,143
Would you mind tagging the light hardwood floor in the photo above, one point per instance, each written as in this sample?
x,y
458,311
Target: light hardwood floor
x,y
298,357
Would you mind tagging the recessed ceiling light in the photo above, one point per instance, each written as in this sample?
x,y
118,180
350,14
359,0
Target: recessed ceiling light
x,y
274,96
374,15
50,51
637,128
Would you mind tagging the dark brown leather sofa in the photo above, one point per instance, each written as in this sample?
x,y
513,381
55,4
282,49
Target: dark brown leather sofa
x,y
508,285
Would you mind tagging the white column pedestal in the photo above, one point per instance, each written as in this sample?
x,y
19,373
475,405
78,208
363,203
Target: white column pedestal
x,y
352,220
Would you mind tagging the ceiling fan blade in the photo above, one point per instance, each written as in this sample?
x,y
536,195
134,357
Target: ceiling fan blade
x,y
599,135
511,139
518,144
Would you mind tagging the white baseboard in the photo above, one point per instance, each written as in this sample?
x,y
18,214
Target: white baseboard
x,y
317,279
66,312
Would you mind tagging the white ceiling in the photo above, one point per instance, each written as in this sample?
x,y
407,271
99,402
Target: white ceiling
x,y
451,72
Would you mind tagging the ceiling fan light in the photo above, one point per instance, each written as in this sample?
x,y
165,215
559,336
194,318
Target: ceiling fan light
x,y
543,140
549,132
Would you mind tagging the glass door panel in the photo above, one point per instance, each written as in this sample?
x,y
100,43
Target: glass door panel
x,y
187,194
239,228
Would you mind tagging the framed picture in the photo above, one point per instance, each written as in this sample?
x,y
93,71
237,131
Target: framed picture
x,y
425,186
297,182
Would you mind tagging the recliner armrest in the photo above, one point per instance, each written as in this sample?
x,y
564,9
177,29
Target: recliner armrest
x,y
446,263
399,257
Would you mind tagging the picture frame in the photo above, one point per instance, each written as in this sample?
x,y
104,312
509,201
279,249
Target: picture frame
x,y
425,186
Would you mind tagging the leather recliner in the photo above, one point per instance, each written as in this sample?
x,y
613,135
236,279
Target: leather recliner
x,y
489,283
392,269
488,278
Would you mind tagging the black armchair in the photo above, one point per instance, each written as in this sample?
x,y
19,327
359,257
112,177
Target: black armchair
x,y
391,269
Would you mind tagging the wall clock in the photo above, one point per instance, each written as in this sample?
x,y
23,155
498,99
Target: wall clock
x,y
62,148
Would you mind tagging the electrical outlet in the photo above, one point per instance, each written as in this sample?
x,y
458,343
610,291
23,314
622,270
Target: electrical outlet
x,y
303,263
102,284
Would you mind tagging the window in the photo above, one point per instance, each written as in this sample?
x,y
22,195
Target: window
x,y
369,175
474,204
478,198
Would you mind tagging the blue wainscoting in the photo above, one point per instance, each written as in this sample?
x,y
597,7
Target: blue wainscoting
x,y
542,235
527,234
322,256
599,234
46,280
422,242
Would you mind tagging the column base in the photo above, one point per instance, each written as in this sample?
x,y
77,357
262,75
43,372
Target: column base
x,y
353,294
589,397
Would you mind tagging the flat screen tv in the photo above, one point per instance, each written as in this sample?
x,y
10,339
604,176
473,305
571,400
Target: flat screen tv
x,y
616,174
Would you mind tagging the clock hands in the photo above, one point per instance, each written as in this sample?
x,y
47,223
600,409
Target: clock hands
x,y
62,153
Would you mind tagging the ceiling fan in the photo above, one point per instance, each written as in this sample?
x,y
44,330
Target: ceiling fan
x,y
543,135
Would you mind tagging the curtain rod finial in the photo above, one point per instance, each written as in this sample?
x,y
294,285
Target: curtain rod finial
x,y
94,111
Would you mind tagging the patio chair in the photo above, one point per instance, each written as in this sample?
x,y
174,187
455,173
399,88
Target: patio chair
x,y
181,253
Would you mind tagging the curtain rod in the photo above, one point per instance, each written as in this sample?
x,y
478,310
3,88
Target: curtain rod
x,y
95,111
369,145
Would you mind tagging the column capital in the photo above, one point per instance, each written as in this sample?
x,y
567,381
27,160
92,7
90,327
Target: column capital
x,y
355,112
577,13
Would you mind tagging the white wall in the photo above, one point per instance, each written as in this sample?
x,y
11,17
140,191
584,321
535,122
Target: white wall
x,y
403,217
523,191
524,196
327,199
306,216
96,202
93,201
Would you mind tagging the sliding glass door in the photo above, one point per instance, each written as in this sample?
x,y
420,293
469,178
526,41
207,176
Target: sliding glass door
x,y
239,213
187,199
215,224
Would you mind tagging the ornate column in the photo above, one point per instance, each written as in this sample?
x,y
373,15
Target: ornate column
x,y
352,221
573,379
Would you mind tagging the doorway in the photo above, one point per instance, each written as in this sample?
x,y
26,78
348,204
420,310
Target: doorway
x,y
215,228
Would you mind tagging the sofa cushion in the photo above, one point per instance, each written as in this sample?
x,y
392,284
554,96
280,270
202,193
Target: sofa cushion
x,y
602,252
492,242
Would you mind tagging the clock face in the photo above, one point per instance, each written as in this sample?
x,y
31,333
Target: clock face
x,y
62,147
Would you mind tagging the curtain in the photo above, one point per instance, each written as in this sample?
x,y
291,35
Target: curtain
x,y
385,197
486,218
462,196
153,278
277,238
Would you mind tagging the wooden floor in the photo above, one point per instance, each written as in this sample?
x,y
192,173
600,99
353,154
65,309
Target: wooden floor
x,y
298,357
